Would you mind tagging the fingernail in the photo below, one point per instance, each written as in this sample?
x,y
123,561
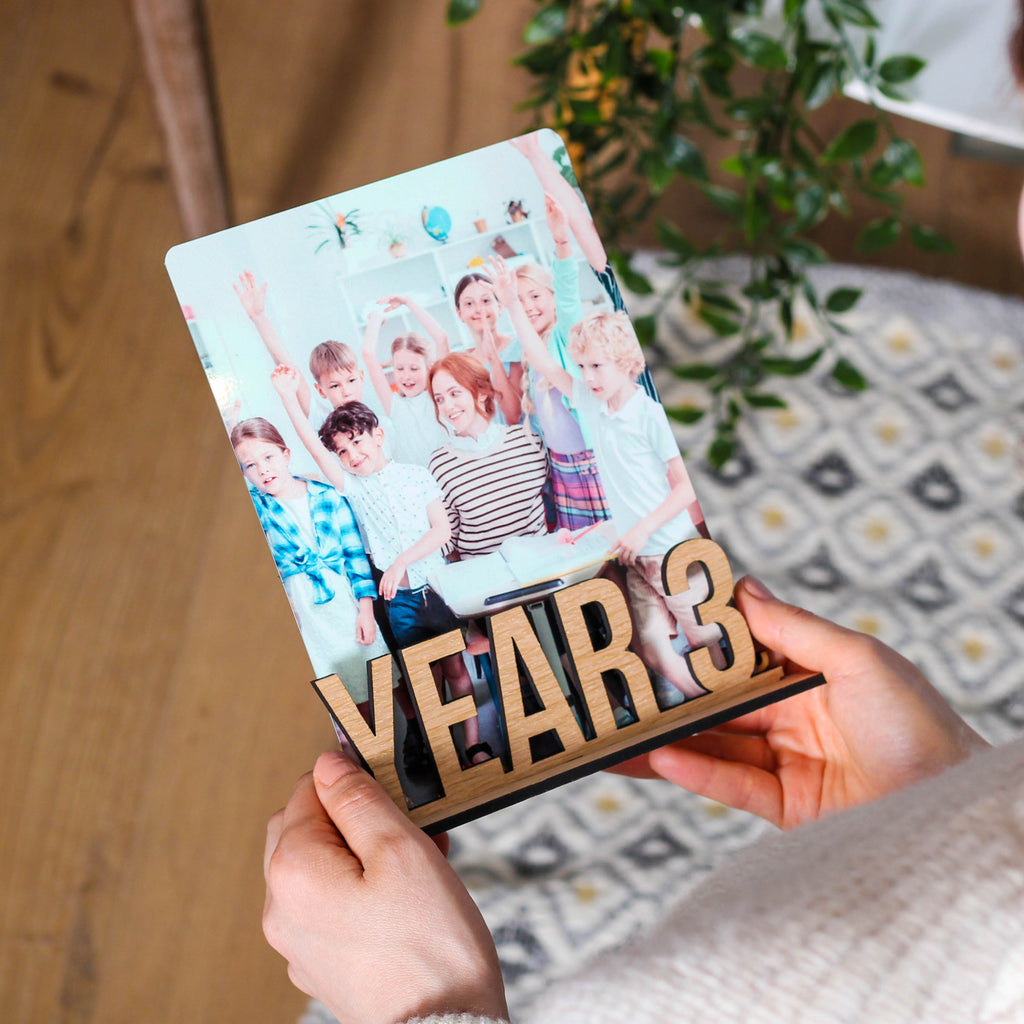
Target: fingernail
x,y
330,766
755,588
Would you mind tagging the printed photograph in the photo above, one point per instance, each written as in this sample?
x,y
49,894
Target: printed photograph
x,y
442,412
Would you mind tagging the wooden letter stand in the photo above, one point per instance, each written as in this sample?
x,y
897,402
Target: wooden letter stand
x,y
581,732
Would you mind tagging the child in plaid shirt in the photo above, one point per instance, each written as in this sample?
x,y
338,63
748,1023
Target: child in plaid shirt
x,y
319,553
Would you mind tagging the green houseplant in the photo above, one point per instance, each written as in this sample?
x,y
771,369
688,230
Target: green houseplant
x,y
634,85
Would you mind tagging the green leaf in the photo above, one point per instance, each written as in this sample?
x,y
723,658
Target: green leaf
x,y
819,82
750,108
684,156
586,112
725,199
761,51
811,206
855,12
720,451
930,240
761,290
783,367
840,300
854,141
685,413
879,234
546,25
632,279
758,400
802,252
663,61
735,165
892,93
542,61
646,329
695,371
462,10
719,301
899,69
675,241
723,325
849,376
869,52
792,8
901,161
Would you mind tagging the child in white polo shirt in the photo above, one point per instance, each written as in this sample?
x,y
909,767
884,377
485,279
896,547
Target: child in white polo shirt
x,y
400,508
650,497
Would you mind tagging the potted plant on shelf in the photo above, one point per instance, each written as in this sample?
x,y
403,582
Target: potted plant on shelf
x,y
394,236
641,90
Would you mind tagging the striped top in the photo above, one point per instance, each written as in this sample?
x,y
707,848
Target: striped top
x,y
493,494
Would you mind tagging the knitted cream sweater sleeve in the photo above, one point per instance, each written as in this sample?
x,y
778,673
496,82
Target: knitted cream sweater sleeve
x,y
906,910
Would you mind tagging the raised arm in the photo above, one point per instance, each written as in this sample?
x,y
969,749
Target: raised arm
x,y
550,177
254,301
510,394
536,351
434,330
371,339
286,383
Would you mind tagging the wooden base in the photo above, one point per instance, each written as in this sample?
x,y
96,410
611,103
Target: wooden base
x,y
555,699
694,716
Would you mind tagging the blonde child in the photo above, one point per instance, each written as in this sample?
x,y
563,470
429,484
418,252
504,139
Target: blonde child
x,y
550,301
400,509
319,553
417,432
580,223
650,497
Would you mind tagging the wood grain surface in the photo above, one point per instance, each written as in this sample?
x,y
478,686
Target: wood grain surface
x,y
154,697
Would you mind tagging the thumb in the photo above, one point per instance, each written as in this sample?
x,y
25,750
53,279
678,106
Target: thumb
x,y
361,810
799,636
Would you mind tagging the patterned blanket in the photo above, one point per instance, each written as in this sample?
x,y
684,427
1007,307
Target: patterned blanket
x,y
898,510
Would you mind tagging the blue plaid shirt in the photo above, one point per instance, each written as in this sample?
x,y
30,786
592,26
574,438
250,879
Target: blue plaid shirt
x,y
339,545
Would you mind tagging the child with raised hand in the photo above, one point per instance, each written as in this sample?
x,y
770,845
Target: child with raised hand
x,y
417,432
478,306
402,513
333,365
650,496
551,303
581,224
319,554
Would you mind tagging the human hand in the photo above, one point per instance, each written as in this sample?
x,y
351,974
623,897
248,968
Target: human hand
x,y
253,299
528,145
632,543
369,915
558,221
286,381
392,302
366,624
393,576
504,280
374,322
876,726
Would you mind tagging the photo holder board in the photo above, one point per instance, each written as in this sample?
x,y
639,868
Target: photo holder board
x,y
469,659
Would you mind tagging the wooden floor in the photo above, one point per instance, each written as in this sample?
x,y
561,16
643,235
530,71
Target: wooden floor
x,y
154,707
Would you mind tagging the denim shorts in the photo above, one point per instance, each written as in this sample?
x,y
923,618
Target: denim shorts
x,y
418,615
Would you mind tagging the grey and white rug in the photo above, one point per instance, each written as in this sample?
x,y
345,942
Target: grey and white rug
x,y
898,511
